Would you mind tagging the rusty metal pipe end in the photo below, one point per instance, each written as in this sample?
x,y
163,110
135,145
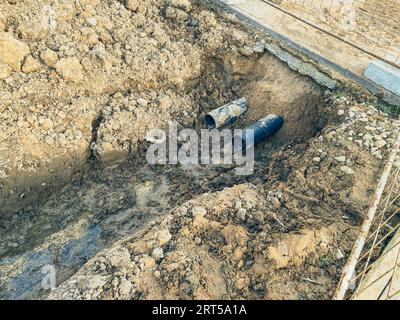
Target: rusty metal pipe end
x,y
226,114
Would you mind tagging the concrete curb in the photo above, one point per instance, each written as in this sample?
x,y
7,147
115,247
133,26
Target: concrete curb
x,y
374,88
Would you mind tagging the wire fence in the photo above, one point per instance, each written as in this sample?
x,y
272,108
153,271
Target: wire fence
x,y
373,268
372,25
378,267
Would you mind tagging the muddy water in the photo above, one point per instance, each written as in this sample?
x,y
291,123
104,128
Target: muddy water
x,y
104,205
98,209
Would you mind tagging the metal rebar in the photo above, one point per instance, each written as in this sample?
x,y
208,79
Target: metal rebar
x,y
357,276
360,242
394,294
375,280
385,222
394,271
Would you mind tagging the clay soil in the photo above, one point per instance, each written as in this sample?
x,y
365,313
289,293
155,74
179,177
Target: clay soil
x,y
76,191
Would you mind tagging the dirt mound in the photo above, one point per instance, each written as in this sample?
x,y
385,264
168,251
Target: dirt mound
x,y
209,248
78,60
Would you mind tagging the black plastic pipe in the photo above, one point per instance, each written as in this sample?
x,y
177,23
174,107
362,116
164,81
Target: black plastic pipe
x,y
261,130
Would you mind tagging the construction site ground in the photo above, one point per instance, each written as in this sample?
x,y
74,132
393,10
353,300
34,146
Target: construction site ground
x,y
81,84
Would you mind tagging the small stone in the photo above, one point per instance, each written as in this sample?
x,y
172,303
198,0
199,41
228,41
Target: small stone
x,y
49,140
369,128
125,287
61,114
198,240
341,159
115,282
120,258
46,124
70,69
259,47
331,134
316,159
142,102
367,137
30,65
176,15
92,21
49,57
237,204
275,202
339,254
241,214
340,112
347,170
157,274
359,142
378,155
238,254
132,5
380,144
381,124
199,211
12,51
163,236
245,51
95,282
158,253
184,5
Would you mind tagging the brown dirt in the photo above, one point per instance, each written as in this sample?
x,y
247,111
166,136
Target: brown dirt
x,y
77,194
99,68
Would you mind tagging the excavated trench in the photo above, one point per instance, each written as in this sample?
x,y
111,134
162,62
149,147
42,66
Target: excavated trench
x,y
102,205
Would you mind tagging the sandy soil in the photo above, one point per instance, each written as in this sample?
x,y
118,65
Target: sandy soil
x,y
74,73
